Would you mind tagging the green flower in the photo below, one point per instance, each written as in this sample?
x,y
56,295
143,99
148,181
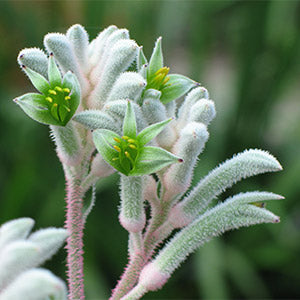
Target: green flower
x,y
171,86
128,153
59,96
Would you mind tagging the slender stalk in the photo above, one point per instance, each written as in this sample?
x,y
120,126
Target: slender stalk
x,y
74,224
136,293
129,277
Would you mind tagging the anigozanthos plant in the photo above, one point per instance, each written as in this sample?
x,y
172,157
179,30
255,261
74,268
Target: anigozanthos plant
x,y
103,119
59,96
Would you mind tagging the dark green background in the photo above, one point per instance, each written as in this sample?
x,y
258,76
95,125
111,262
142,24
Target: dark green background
x,y
247,54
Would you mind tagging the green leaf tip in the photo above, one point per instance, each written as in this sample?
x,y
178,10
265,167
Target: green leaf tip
x,y
59,98
128,153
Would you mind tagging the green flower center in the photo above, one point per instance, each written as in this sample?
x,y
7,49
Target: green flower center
x,y
58,101
159,80
127,150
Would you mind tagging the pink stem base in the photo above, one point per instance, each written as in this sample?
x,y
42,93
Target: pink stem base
x,y
74,225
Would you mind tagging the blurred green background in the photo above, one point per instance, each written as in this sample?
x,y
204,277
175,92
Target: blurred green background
x,y
247,54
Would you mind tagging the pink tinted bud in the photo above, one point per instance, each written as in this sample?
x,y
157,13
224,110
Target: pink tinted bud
x,y
152,278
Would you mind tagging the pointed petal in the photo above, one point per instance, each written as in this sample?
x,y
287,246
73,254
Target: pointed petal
x,y
156,61
129,125
53,72
178,85
149,133
103,139
153,159
34,106
38,81
141,59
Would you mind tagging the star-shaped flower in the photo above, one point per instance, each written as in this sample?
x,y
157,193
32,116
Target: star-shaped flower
x,y
129,154
59,96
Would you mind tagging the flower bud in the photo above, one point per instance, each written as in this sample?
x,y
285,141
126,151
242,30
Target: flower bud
x,y
203,111
190,144
35,59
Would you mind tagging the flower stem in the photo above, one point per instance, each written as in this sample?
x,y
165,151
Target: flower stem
x,y
74,225
129,277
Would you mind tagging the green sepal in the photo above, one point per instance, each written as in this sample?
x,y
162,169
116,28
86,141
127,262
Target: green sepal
x,y
129,125
35,107
141,59
156,61
143,71
177,86
70,81
38,81
151,160
149,133
53,72
104,140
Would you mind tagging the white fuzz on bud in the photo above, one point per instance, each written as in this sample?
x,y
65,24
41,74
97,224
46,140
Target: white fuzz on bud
x,y
132,213
100,167
121,56
152,278
203,111
185,109
79,40
129,85
112,39
35,59
154,112
190,144
68,143
61,47
97,46
15,230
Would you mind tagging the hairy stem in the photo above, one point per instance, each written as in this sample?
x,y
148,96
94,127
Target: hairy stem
x,y
74,225
129,277
136,293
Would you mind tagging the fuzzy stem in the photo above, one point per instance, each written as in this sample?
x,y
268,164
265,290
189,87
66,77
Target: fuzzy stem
x,y
129,277
74,225
136,293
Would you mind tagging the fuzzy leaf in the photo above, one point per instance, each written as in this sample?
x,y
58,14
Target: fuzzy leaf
x,y
248,163
177,86
150,132
15,230
16,258
48,241
36,284
225,216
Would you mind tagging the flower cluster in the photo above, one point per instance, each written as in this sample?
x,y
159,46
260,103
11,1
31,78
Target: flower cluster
x,y
150,126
